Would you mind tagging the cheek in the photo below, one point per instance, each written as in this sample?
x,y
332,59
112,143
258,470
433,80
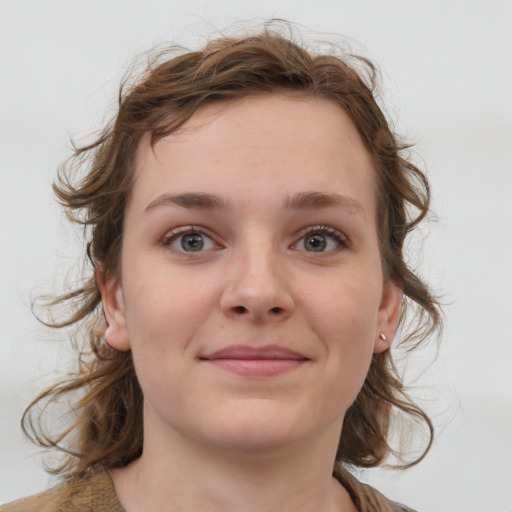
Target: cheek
x,y
165,309
345,321
344,308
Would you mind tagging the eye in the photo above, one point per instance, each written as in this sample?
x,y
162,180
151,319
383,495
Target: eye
x,y
321,239
188,240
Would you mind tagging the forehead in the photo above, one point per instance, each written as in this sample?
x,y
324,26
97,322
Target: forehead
x,y
270,119
288,143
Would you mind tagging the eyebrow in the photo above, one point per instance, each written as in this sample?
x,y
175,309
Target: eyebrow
x,y
302,201
193,200
318,200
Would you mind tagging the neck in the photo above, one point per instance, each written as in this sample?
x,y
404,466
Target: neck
x,y
179,474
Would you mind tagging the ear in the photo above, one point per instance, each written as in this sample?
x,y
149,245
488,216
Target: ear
x,y
116,333
388,316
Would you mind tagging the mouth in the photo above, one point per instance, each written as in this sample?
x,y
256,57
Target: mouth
x,y
252,361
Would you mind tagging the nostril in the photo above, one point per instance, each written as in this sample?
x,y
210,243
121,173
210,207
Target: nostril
x,y
240,309
276,310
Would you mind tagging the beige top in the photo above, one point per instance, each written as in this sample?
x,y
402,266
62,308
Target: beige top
x,y
95,493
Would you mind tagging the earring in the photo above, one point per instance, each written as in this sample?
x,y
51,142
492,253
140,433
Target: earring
x,y
383,337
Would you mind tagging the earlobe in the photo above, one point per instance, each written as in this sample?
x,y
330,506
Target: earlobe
x,y
116,334
388,316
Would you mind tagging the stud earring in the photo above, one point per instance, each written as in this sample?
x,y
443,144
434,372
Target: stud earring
x,y
383,337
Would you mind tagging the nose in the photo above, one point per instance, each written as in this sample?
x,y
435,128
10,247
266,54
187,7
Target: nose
x,y
257,287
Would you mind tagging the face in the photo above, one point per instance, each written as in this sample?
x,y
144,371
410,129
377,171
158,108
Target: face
x,y
251,290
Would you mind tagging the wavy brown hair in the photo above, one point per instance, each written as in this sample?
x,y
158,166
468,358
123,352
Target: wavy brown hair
x,y
94,185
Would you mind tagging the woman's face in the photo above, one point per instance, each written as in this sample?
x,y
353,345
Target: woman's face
x,y
251,290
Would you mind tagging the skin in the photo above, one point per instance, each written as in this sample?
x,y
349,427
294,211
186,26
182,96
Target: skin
x,y
283,262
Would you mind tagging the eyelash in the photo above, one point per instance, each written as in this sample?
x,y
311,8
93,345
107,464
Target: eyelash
x,y
173,235
339,237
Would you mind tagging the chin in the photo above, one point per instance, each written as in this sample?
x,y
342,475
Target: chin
x,y
261,430
256,442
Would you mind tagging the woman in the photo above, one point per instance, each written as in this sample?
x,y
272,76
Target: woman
x,y
246,213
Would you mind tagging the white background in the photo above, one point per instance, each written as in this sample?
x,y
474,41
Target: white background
x,y
447,70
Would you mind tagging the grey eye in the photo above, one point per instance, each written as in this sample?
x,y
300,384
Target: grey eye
x,y
321,239
315,243
192,243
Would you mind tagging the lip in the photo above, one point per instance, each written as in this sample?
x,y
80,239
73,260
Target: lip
x,y
264,361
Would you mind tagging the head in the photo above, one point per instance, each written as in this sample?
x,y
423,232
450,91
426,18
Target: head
x,y
175,90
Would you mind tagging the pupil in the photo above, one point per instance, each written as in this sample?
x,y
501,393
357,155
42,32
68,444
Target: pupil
x,y
192,242
316,243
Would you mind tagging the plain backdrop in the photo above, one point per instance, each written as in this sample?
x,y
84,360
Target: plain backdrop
x,y
447,83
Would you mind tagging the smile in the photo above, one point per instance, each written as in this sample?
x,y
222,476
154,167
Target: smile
x,y
256,361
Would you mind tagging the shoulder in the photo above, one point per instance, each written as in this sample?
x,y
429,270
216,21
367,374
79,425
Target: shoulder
x,y
374,501
92,492
43,502
367,498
